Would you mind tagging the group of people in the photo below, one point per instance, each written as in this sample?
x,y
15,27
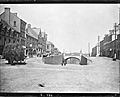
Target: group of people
x,y
64,62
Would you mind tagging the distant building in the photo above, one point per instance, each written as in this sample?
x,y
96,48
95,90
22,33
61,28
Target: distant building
x,y
42,38
109,46
94,51
102,48
49,47
56,51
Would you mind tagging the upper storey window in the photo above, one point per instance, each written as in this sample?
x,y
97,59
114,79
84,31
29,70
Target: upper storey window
x,y
14,23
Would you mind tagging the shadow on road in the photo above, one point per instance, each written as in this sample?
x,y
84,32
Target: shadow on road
x,y
15,63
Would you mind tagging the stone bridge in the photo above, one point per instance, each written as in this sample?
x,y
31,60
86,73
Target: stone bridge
x,y
69,57
82,59
61,59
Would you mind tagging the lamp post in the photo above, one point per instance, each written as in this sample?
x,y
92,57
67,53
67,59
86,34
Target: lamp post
x,y
89,49
119,22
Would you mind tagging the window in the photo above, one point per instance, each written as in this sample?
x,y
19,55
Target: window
x,y
13,41
47,46
5,39
18,40
9,40
14,23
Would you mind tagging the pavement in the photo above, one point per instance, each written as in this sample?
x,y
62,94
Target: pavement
x,y
101,76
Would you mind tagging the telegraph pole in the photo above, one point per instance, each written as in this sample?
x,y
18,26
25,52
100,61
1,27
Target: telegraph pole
x,y
98,46
119,22
115,49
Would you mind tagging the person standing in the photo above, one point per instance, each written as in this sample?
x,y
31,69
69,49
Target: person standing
x,y
62,59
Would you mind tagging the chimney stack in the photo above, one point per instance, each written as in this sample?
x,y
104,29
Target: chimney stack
x,y
7,15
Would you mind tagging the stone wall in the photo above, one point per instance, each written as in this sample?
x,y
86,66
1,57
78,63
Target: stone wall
x,y
53,59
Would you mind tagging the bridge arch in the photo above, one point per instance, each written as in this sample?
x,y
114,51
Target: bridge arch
x,y
65,60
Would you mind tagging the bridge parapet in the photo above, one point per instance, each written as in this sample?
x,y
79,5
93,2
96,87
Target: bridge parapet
x,y
65,57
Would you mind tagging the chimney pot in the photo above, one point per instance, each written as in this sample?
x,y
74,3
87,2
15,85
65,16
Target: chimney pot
x,y
7,15
7,9
29,25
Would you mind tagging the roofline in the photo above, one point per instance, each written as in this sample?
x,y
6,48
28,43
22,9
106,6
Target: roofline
x,y
17,16
31,35
2,13
24,21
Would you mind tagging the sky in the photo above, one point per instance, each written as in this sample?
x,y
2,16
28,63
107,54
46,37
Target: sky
x,y
69,26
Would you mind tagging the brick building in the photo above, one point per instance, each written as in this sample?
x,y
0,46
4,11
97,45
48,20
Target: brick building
x,y
7,35
109,46
22,31
42,38
12,29
94,51
56,51
49,47
31,39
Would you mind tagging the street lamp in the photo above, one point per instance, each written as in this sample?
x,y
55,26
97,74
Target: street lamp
x,y
89,49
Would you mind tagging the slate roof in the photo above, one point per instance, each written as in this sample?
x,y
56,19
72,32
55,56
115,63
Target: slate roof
x,y
48,42
37,30
32,33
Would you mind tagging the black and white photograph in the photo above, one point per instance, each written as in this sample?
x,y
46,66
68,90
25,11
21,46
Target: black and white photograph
x,y
60,48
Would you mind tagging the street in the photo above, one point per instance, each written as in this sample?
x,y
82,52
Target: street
x,y
100,75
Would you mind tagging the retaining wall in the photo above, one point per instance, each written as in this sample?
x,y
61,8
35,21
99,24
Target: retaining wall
x,y
53,59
